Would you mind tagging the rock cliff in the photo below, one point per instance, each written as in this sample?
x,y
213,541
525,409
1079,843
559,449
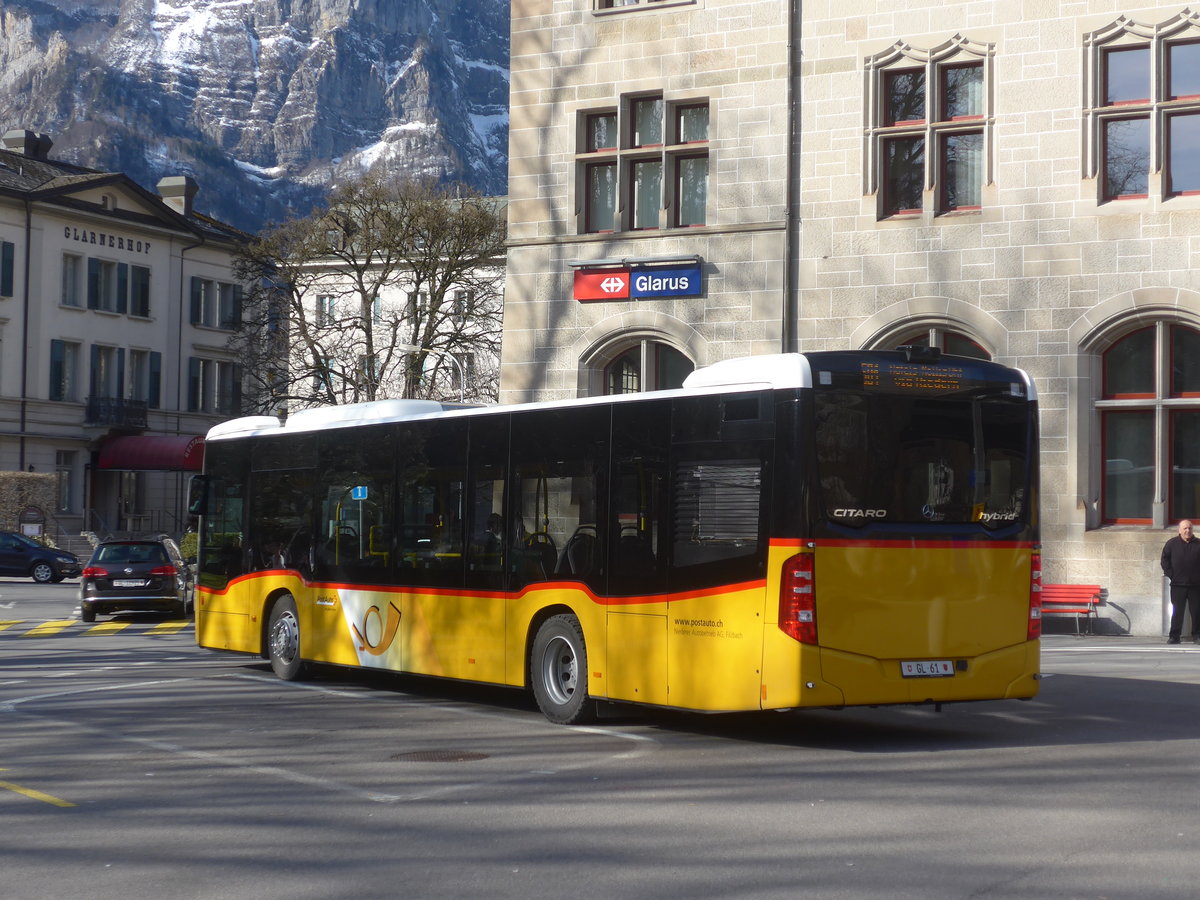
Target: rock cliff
x,y
264,102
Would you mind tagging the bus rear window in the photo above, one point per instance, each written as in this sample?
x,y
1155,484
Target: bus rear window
x,y
908,460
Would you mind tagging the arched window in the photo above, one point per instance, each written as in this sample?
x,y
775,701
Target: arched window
x,y
949,342
1150,424
646,366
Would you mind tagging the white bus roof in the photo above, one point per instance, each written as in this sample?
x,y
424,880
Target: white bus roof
x,y
765,372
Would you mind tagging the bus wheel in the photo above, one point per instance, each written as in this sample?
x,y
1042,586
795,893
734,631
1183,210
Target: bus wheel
x,y
558,670
283,639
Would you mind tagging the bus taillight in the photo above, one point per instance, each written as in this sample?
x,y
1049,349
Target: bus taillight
x,y
1035,597
798,599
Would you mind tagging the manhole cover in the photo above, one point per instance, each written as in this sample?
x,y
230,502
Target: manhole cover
x,y
439,756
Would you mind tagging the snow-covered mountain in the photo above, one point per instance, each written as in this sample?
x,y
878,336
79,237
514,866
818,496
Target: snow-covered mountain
x,y
263,102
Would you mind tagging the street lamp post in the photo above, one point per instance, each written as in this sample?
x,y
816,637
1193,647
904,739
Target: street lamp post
x,y
437,351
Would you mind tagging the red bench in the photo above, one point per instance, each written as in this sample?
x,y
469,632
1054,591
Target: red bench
x,y
1073,600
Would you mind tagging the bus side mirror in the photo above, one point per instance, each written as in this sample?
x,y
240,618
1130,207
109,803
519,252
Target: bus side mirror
x,y
198,495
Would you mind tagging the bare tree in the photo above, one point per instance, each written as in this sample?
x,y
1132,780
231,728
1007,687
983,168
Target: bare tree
x,y
393,289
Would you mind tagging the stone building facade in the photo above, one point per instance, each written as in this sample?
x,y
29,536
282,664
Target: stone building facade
x,y
1013,180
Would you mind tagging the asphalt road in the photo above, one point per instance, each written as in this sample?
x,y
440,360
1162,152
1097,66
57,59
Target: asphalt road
x,y
135,765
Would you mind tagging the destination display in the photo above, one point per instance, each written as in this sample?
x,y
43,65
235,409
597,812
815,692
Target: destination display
x,y
902,377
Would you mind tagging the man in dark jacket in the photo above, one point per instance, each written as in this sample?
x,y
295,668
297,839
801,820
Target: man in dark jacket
x,y
1181,564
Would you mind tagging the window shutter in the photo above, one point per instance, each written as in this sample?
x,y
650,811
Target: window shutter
x,y
93,283
154,391
6,269
194,392
197,310
94,377
120,373
57,379
123,288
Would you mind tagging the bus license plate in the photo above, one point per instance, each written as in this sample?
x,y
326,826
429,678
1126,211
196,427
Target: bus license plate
x,y
129,582
927,668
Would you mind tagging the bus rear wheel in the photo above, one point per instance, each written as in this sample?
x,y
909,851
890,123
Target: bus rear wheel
x,y
283,639
559,672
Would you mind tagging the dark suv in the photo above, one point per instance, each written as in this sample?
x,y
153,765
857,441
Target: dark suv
x,y
135,575
23,557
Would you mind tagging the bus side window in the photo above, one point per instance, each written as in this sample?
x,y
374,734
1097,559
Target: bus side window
x,y
557,461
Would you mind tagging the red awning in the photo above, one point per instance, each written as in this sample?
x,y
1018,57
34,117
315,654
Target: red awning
x,y
164,453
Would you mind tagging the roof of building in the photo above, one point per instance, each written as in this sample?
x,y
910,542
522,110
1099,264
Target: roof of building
x,y
32,176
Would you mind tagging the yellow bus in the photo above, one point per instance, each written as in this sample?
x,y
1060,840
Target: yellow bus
x,y
820,530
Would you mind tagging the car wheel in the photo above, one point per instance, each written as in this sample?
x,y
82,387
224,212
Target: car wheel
x,y
283,639
87,614
558,670
42,572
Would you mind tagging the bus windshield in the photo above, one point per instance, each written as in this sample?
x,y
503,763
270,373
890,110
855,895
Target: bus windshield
x,y
951,460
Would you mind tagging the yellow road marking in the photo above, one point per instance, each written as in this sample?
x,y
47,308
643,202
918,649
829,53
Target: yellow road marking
x,y
50,627
168,628
8,623
107,628
35,795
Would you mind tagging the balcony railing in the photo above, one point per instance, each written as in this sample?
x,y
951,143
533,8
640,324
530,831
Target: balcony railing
x,y
113,411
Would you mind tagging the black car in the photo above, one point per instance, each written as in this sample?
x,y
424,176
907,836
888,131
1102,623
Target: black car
x,y
22,557
135,575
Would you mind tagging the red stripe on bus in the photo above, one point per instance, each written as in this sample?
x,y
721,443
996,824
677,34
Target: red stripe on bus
x,y
641,600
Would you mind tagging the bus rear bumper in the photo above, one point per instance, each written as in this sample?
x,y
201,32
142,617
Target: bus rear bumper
x,y
1006,673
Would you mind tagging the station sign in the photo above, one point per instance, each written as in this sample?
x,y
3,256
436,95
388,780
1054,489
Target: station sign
x,y
666,281
601,284
638,282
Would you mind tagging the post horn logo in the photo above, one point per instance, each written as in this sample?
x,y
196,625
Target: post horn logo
x,y
373,625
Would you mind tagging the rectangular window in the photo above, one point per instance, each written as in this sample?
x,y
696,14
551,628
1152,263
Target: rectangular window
x,y
72,280
930,107
227,389
1185,463
904,169
601,203
204,302
145,374
1126,158
691,124
646,192
64,480
1127,75
1183,68
647,122
691,190
200,382
323,378
962,92
106,372
1128,466
463,305
1183,154
904,97
629,189
107,285
601,132
229,301
139,291
962,167
213,386
326,310
64,366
